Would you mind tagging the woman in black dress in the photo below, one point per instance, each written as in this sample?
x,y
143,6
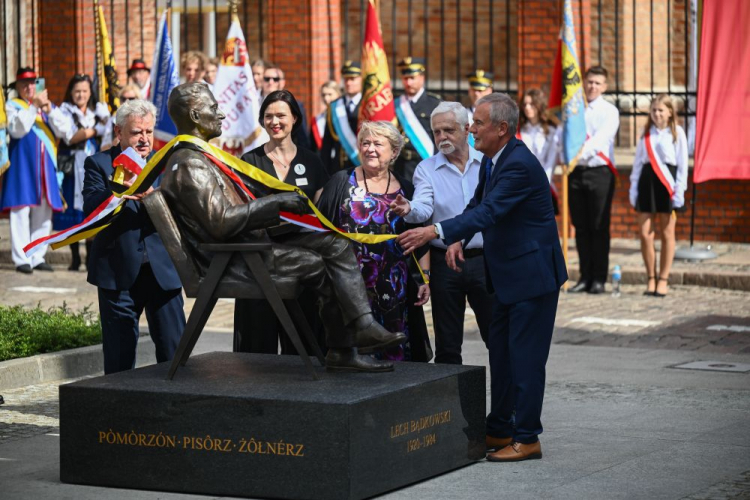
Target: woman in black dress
x,y
256,328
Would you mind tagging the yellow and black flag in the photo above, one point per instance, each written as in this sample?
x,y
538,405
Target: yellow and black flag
x,y
107,84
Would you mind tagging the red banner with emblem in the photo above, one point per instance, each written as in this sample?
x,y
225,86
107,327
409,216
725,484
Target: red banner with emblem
x,y
722,149
377,96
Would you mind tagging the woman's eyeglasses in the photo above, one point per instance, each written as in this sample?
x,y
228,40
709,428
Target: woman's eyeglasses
x,y
276,79
123,98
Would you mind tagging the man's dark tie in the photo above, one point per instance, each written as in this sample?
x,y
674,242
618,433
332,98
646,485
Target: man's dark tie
x,y
487,174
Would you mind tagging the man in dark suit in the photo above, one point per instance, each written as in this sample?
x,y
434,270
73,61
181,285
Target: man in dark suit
x,y
128,261
413,110
333,152
513,210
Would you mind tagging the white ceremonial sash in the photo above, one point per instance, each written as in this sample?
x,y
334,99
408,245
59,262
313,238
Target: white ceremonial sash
x,y
418,136
660,168
347,138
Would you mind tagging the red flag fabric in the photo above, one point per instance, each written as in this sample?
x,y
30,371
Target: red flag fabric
x,y
722,149
377,96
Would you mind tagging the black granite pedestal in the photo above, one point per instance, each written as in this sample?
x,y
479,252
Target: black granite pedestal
x,y
256,425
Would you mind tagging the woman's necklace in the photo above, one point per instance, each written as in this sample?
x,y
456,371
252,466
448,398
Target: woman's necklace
x,y
278,160
387,186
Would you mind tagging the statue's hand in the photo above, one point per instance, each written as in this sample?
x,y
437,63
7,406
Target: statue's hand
x,y
292,202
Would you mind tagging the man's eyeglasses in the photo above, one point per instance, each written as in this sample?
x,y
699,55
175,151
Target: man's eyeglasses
x,y
276,79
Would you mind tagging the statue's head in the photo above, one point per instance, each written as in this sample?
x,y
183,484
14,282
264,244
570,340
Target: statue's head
x,y
195,111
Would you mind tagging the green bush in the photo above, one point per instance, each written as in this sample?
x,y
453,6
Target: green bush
x,y
26,332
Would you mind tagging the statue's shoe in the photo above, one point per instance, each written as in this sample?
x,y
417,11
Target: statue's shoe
x,y
347,360
374,337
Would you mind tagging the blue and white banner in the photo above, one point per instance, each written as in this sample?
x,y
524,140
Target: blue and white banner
x,y
418,136
164,77
347,137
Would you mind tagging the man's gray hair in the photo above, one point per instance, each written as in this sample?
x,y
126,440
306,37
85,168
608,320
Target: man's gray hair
x,y
459,113
135,107
502,109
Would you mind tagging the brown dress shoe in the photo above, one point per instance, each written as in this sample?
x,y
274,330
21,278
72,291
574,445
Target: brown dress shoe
x,y
494,443
517,452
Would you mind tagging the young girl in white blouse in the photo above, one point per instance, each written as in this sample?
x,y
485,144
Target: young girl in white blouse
x,y
539,133
657,188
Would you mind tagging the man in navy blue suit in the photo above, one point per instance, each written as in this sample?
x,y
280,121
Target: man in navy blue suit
x,y
128,261
513,210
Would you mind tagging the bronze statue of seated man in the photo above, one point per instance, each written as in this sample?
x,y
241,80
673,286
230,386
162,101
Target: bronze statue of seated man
x,y
209,209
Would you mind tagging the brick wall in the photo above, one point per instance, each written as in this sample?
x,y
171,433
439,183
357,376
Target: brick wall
x,y
721,211
67,38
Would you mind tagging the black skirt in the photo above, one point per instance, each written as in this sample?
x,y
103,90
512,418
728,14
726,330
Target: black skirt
x,y
653,197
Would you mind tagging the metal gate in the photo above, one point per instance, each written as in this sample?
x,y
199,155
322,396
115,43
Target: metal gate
x,y
454,36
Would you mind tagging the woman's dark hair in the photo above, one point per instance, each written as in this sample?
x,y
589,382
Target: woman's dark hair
x,y
539,101
78,79
287,97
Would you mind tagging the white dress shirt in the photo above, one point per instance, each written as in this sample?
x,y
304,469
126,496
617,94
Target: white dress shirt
x,y
671,153
442,191
602,122
544,146
352,101
416,96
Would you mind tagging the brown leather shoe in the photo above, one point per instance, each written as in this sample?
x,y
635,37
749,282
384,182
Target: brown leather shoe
x,y
494,443
517,452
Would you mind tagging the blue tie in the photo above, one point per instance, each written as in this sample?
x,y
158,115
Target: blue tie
x,y
488,174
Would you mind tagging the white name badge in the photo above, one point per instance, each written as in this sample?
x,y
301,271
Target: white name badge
x,y
301,181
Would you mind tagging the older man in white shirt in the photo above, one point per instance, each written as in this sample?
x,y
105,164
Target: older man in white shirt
x,y
444,184
592,185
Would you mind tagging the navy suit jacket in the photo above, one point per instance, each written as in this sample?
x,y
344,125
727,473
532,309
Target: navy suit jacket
x,y
117,251
521,247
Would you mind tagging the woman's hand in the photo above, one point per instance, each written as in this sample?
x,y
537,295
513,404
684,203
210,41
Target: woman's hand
x,y
423,294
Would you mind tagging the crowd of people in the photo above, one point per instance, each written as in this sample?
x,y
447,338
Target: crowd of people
x,y
448,181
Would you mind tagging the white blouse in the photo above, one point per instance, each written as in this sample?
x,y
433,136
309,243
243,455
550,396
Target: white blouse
x,y
544,147
65,126
671,153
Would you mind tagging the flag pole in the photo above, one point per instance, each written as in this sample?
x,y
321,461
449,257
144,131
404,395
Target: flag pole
x,y
565,220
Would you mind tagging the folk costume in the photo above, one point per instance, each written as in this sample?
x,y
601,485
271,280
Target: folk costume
x,y
69,121
414,115
339,149
29,188
659,177
592,186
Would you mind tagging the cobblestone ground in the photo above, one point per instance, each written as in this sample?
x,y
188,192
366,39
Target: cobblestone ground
x,y
705,320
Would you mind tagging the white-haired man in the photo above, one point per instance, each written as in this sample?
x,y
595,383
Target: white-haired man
x,y
128,263
444,184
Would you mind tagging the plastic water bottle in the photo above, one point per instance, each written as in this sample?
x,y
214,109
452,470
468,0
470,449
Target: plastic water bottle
x,y
616,277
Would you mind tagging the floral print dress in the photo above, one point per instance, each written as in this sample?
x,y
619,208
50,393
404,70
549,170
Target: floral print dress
x,y
383,265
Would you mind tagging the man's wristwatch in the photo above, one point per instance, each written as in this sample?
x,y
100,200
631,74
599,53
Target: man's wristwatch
x,y
437,233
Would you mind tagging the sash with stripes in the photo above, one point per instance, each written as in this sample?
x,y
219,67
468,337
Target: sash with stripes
x,y
347,137
607,161
660,168
41,130
236,169
318,129
418,136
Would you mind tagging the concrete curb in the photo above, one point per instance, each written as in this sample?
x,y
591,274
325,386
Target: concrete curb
x,y
72,363
727,281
